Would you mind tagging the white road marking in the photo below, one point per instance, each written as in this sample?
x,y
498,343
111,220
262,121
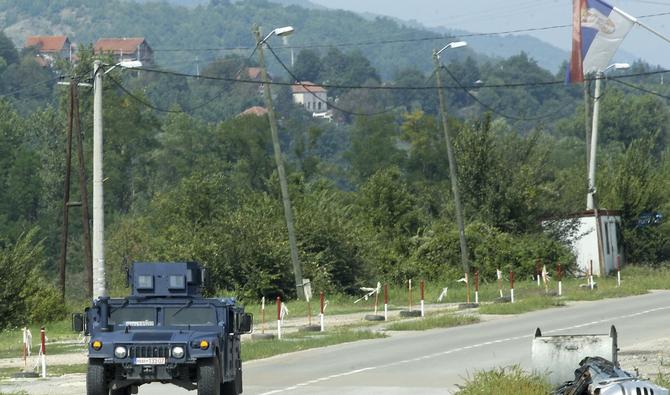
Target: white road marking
x,y
454,350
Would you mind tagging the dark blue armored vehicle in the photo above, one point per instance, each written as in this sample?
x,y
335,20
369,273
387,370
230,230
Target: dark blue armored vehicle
x,y
165,331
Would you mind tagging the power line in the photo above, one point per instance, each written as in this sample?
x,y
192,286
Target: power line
x,y
306,87
643,89
495,110
11,93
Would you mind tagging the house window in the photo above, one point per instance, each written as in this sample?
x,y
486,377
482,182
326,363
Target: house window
x,y
319,105
309,105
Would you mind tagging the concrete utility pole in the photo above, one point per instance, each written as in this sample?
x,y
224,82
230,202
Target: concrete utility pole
x,y
99,288
452,161
600,76
288,211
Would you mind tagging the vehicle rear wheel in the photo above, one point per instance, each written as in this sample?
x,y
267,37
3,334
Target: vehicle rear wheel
x,y
121,391
209,377
229,388
96,380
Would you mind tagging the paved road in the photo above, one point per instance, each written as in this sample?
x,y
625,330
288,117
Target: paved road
x,y
434,362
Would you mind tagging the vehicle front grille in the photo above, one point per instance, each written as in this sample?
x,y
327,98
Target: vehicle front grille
x,y
149,351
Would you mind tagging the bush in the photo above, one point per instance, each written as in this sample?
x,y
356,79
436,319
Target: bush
x,y
505,381
26,296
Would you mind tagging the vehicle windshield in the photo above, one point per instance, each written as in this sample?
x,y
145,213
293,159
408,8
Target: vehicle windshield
x,y
133,316
200,316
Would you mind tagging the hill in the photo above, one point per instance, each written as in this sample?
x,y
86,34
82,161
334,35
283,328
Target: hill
x,y
186,32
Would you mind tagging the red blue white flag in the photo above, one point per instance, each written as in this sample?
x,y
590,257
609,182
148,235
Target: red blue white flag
x,y
597,31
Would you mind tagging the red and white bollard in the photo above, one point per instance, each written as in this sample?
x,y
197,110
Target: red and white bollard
x,y
43,352
386,302
477,286
559,276
618,271
321,315
591,274
421,285
278,317
511,287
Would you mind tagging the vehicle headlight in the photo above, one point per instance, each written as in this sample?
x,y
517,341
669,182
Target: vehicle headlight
x,y
120,352
96,344
178,351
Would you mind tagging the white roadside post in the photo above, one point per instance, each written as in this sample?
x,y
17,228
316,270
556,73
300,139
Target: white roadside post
x,y
511,286
477,286
43,352
386,302
560,282
278,317
499,275
591,274
618,271
422,286
322,309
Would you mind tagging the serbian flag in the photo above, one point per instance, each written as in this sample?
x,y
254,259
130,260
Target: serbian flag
x,y
597,31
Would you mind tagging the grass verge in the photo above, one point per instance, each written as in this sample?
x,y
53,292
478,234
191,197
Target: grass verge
x,y
530,303
505,381
433,321
52,370
257,349
58,331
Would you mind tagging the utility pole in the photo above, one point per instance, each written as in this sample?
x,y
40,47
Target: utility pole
x,y
85,219
66,194
594,143
452,170
99,289
288,212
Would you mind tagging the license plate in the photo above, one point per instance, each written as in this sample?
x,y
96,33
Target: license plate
x,y
149,361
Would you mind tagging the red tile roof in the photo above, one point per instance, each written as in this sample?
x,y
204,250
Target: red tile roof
x,y
254,72
302,87
118,45
47,43
255,110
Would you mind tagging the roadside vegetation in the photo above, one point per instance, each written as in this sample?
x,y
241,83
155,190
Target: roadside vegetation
x,y
505,381
433,321
291,342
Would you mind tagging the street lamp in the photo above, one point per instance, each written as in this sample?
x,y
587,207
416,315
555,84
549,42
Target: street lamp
x,y
600,75
288,211
98,202
452,162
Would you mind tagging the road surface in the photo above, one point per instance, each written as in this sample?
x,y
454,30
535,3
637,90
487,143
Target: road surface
x,y
434,362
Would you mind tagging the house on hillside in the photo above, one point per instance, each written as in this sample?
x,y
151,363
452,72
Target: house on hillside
x,y
311,96
255,74
50,48
121,49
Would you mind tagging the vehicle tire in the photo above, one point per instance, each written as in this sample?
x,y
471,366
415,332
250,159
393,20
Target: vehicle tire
x,y
209,377
229,387
121,391
96,379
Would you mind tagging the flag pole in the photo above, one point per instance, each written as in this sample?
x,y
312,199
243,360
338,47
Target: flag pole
x,y
637,22
658,34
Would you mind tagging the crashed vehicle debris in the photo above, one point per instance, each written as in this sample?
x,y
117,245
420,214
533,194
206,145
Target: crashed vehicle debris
x,y
596,355
599,376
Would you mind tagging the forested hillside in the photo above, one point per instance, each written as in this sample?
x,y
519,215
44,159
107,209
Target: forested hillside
x,y
187,178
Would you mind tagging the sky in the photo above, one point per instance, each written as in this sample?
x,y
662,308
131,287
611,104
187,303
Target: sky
x,y
484,16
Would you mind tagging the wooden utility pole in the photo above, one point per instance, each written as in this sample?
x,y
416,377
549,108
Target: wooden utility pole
x,y
74,122
85,218
66,195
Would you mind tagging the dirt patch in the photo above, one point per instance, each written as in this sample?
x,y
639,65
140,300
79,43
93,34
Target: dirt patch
x,y
648,359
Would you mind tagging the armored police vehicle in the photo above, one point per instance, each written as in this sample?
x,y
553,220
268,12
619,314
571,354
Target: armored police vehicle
x,y
165,331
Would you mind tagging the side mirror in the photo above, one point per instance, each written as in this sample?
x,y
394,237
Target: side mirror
x,y
246,323
77,322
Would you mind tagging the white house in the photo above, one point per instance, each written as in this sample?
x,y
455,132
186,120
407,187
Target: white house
x,y
311,96
597,241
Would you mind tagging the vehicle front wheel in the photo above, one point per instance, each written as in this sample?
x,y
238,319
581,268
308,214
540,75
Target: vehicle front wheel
x,y
96,380
209,377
